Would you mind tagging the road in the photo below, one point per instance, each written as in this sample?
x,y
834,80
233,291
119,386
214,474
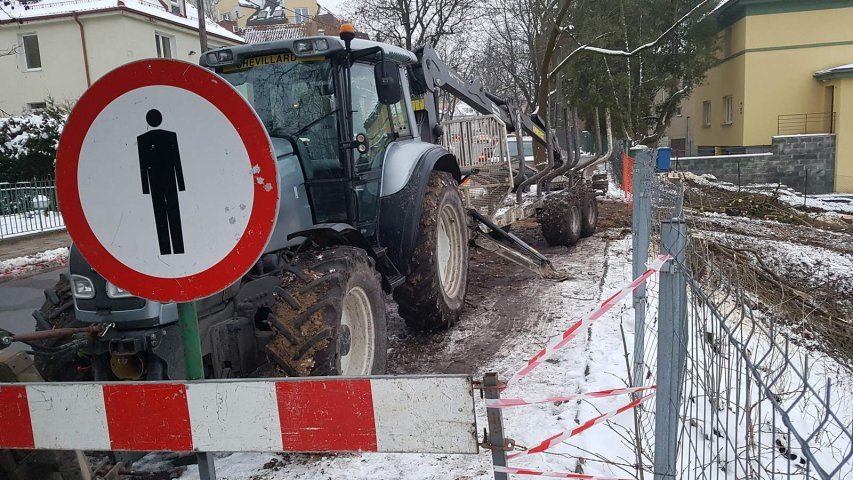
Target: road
x,y
18,298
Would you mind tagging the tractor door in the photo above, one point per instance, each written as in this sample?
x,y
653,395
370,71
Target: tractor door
x,y
381,125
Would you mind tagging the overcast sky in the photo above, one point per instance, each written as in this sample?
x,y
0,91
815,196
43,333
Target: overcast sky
x,y
333,5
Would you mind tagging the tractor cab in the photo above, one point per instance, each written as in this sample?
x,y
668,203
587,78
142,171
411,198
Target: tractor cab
x,y
331,108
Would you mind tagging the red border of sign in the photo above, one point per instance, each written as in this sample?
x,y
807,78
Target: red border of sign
x,y
224,97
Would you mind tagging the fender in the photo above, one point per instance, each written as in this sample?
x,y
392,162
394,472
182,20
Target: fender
x,y
333,234
400,213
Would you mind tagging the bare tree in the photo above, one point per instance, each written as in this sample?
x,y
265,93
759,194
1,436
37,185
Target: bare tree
x,y
410,23
13,50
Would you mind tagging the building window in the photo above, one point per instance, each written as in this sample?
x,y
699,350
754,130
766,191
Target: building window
x,y
36,106
165,45
31,53
727,102
301,14
678,111
226,16
706,114
178,7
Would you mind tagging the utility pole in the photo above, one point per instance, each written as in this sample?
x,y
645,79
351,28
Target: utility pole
x,y
202,27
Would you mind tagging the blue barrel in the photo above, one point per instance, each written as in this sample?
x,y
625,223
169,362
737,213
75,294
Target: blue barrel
x,y
664,159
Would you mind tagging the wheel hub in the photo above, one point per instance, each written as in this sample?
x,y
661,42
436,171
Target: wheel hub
x,y
344,340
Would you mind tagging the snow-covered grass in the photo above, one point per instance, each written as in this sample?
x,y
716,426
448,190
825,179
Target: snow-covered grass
x,y
827,202
39,261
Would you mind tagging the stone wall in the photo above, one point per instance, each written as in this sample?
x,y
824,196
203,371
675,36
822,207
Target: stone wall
x,y
794,157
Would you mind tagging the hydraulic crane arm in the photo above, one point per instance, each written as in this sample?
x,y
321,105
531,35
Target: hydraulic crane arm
x,y
431,74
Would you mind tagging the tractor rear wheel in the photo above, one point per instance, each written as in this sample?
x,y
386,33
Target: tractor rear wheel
x,y
561,220
437,272
329,318
589,212
58,312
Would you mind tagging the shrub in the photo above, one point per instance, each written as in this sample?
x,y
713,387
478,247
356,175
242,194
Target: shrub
x,y
28,143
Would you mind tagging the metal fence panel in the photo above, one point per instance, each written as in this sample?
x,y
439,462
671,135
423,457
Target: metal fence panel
x,y
29,207
757,399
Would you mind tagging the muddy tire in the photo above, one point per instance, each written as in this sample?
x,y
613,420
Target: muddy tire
x,y
58,312
437,272
329,317
560,219
589,215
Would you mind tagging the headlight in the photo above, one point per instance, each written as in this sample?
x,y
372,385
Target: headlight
x,y
82,287
117,292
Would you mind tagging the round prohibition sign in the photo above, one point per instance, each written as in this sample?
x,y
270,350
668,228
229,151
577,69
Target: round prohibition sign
x,y
167,180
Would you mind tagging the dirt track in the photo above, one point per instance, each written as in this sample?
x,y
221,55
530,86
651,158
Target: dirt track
x,y
504,305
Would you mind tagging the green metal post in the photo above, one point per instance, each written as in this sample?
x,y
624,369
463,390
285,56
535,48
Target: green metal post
x,y
188,320
194,368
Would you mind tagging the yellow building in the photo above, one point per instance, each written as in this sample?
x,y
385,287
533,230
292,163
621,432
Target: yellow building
x,y
784,70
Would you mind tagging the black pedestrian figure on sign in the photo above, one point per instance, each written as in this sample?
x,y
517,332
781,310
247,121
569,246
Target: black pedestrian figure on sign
x,y
162,178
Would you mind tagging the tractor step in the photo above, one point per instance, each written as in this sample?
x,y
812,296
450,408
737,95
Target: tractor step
x,y
391,274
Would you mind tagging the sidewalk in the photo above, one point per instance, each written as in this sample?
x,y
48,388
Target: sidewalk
x,y
29,244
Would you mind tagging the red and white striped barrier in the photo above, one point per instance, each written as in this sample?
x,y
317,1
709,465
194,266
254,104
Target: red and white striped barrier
x,y
605,306
426,414
565,435
518,402
527,471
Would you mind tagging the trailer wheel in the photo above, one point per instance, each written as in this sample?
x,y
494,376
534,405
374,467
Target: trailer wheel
x,y
590,215
437,272
58,312
561,220
329,318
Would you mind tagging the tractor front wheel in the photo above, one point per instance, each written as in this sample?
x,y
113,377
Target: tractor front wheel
x,y
329,318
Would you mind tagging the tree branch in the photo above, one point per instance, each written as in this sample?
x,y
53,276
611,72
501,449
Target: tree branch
x,y
626,52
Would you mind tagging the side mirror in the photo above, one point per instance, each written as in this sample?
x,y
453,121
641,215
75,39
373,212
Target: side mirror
x,y
388,87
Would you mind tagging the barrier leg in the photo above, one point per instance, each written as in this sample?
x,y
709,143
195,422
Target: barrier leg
x,y
496,440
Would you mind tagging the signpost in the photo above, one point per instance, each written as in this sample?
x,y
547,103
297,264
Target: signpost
x,y
161,205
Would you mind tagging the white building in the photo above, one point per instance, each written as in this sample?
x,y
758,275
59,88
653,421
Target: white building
x,y
57,48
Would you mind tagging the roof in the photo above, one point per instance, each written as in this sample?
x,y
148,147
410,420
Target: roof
x,y
271,33
28,11
835,72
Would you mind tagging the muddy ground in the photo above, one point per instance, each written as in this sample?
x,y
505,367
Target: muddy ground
x,y
504,304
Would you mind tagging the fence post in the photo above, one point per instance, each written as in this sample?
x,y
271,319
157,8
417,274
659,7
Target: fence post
x,y
494,417
672,348
641,223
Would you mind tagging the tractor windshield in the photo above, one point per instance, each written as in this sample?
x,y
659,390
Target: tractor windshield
x,y
295,99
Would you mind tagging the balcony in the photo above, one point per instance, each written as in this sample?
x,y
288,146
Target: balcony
x,y
806,123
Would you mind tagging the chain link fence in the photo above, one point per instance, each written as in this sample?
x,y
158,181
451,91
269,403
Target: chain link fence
x,y
28,207
744,391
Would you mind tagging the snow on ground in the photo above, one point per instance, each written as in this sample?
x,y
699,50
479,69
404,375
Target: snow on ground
x,y
592,361
35,221
828,202
40,261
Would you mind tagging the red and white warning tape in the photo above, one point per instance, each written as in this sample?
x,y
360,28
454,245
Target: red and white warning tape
x,y
565,435
517,402
605,306
527,471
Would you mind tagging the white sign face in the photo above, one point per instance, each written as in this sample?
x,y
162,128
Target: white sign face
x,y
167,180
196,206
